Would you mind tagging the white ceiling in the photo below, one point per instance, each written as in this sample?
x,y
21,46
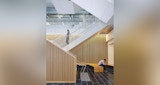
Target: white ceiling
x,y
63,6
102,9
48,1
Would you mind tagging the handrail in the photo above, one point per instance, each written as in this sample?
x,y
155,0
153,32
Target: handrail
x,y
90,27
61,40
78,28
88,34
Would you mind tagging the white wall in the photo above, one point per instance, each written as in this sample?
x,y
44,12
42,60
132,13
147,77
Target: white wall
x,y
63,6
102,9
110,43
111,54
109,36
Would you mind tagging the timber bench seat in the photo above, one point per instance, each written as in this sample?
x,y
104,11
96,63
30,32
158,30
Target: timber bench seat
x,y
95,67
92,66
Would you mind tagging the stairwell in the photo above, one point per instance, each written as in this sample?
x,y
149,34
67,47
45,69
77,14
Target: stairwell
x,y
61,65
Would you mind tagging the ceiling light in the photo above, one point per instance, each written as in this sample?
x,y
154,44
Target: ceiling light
x,y
47,23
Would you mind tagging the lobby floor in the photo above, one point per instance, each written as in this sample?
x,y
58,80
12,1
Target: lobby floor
x,y
98,78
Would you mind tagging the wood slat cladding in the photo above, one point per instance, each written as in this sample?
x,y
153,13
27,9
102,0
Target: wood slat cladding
x,y
61,65
52,37
92,50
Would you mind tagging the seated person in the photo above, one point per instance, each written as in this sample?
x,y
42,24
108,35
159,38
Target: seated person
x,y
102,63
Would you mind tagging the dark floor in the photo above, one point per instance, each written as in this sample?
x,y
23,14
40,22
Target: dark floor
x,y
105,78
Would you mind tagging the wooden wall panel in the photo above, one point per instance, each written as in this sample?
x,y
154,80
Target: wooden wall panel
x,y
92,50
61,65
52,37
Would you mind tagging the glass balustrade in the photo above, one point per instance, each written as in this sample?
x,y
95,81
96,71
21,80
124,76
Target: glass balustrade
x,y
78,24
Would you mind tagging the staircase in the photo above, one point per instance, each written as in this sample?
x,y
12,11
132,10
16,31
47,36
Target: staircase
x,y
58,50
61,65
75,34
81,34
104,18
87,34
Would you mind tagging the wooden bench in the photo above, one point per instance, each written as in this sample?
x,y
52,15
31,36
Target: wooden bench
x,y
92,66
95,67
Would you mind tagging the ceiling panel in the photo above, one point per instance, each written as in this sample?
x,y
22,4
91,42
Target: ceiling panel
x,y
63,6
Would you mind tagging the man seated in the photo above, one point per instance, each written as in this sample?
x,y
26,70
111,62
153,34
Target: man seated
x,y
102,63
